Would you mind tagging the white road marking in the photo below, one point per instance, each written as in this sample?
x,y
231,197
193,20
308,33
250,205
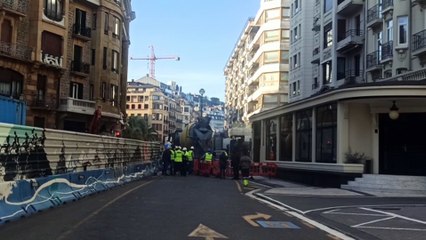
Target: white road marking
x,y
393,228
374,221
296,213
395,215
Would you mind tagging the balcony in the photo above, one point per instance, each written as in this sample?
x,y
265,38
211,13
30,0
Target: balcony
x,y
353,40
373,62
81,32
15,7
419,43
80,68
387,52
49,59
16,51
77,106
422,3
40,103
374,16
351,76
408,76
349,7
387,6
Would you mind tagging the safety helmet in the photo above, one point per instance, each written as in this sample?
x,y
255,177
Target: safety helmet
x,y
184,149
192,147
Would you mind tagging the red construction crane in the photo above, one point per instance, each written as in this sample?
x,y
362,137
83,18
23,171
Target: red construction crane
x,y
154,58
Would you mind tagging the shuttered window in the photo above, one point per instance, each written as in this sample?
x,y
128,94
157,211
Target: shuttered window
x,y
51,44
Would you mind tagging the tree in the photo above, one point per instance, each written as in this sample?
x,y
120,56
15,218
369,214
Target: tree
x,y
138,128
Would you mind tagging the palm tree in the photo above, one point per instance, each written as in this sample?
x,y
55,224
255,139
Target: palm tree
x,y
138,128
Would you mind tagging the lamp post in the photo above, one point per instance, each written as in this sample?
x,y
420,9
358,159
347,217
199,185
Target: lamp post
x,y
201,101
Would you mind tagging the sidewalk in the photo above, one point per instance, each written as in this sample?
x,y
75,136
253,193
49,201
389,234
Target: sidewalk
x,y
281,187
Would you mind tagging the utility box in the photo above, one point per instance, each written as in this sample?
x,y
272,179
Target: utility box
x,y
12,111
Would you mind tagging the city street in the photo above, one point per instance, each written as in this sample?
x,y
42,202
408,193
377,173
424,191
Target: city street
x,y
165,207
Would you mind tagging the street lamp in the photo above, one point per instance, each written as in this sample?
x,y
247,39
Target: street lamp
x,y
393,112
201,101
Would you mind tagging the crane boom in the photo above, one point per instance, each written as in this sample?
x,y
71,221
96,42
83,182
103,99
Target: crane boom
x,y
154,58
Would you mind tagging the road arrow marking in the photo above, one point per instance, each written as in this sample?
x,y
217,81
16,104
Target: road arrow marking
x,y
250,218
207,233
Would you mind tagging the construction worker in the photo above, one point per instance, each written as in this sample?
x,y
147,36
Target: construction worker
x,y
190,158
245,162
172,162
184,167
208,158
179,161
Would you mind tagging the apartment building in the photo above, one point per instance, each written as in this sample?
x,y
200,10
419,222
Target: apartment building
x,y
149,102
257,72
155,102
367,96
66,59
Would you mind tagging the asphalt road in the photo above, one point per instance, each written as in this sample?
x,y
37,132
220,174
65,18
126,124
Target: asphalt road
x,y
165,207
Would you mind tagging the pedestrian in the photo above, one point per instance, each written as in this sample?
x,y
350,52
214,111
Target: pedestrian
x,y
245,162
166,158
223,163
184,167
235,163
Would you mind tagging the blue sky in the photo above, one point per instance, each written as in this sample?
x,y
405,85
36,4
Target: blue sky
x,y
202,33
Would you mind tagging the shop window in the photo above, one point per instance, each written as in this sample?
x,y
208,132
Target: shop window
x,y
304,136
286,136
326,133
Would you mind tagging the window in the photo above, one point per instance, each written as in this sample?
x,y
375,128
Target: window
x,y
272,14
103,91
328,36
328,5
403,30
51,44
80,22
116,30
286,133
76,90
379,45
10,83
389,30
295,61
326,133
327,73
41,87
296,34
271,57
106,23
6,34
303,135
94,21
114,66
114,94
93,57
104,60
271,139
92,92
53,9
286,12
285,57
285,34
272,36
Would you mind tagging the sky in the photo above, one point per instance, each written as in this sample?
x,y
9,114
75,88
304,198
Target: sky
x,y
203,33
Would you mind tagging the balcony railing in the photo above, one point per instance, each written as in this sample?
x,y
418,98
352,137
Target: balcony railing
x,y
50,59
44,102
16,51
80,67
77,105
387,51
408,76
419,40
373,14
373,59
387,5
82,31
19,6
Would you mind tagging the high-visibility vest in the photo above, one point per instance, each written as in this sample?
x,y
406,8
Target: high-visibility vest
x,y
208,157
172,155
178,156
189,155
